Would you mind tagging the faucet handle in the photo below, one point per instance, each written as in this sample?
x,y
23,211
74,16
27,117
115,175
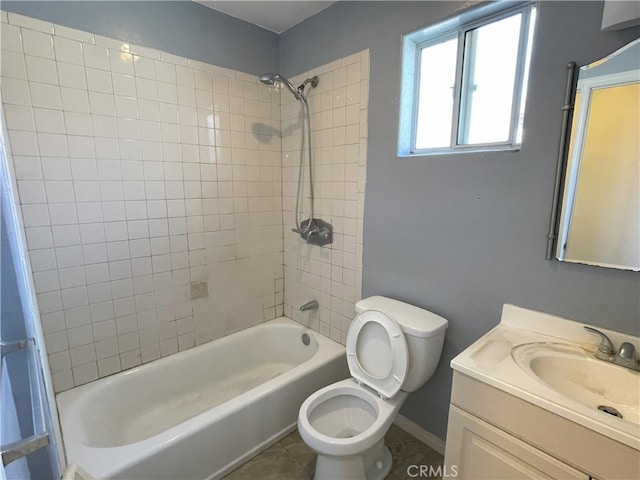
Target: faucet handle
x,y
627,352
605,349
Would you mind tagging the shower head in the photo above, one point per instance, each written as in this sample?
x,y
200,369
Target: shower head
x,y
273,78
269,78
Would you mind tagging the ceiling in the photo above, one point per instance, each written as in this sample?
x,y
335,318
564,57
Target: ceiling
x,y
274,16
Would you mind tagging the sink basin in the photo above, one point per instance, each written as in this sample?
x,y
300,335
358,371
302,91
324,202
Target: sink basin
x,y
578,376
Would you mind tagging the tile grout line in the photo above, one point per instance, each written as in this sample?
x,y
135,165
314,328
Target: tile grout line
x,y
295,458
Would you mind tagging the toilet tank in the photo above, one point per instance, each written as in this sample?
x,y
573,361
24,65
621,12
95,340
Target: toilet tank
x,y
423,331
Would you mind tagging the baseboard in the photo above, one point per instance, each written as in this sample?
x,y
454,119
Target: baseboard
x,y
420,433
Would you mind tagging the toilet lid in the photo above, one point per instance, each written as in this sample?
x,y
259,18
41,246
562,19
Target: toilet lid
x,y
377,352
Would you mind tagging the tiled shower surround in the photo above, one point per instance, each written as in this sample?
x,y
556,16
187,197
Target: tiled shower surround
x,y
331,275
153,190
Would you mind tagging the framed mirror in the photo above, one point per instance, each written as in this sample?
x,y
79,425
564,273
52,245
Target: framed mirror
x,y
600,211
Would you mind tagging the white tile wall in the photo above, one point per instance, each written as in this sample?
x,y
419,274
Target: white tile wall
x,y
331,275
140,172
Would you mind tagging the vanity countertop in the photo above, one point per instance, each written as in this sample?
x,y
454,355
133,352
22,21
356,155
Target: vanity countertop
x,y
491,360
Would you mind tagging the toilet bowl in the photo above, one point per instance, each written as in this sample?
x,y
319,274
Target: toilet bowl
x,y
344,422
392,349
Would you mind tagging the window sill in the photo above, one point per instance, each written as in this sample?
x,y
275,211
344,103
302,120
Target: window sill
x,y
459,151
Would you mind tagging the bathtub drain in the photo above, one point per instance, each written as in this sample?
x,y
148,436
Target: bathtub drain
x,y
305,339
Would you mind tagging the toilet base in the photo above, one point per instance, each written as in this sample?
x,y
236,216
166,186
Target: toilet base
x,y
373,464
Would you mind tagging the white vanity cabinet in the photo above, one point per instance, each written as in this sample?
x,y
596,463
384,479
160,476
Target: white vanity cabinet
x,y
494,435
482,451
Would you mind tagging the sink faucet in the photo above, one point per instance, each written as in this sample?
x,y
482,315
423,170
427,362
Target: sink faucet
x,y
626,356
605,349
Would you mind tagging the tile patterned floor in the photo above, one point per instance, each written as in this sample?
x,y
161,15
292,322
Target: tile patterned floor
x,y
291,459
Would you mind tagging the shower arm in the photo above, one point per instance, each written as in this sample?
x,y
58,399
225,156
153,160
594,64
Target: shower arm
x,y
313,81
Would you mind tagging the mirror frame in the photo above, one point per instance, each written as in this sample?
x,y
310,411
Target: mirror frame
x,y
559,223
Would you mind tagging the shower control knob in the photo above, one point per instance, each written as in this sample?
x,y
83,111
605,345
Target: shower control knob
x,y
315,232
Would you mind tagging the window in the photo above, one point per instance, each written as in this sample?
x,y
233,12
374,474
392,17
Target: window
x,y
464,82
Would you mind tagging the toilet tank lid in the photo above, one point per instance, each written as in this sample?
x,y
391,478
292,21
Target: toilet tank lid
x,y
414,320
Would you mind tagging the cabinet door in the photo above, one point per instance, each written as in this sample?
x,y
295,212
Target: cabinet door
x,y
477,450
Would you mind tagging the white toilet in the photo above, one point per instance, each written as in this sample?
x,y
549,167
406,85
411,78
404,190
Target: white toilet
x,y
393,348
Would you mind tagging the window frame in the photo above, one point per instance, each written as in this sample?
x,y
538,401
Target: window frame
x,y
458,27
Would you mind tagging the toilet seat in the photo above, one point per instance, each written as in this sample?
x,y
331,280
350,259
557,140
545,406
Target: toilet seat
x,y
377,352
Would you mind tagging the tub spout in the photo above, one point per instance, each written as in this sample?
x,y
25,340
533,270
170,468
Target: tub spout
x,y
312,305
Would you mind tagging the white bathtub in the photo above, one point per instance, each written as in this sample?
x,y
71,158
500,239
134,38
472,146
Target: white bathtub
x,y
200,413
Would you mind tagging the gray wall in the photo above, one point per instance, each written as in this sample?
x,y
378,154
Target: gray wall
x,y
182,28
463,234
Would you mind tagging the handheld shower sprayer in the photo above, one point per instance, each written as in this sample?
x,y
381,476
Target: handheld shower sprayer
x,y
313,230
273,78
